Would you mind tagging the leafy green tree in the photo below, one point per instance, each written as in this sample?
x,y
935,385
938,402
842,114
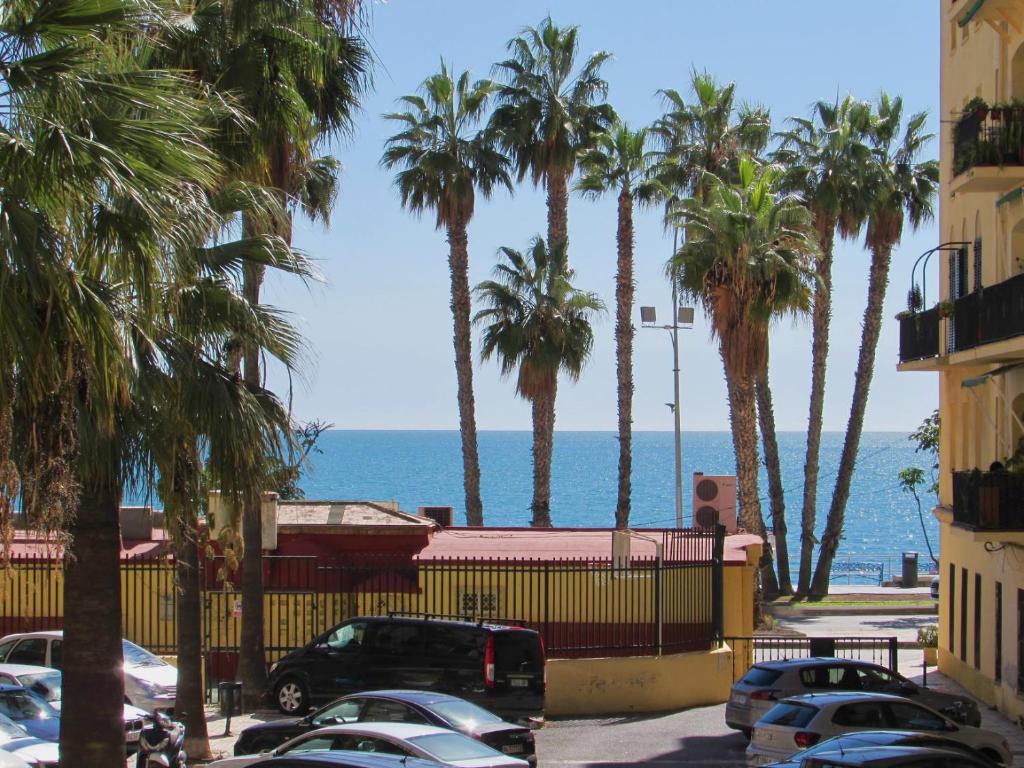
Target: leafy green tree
x,y
537,324
746,259
445,159
549,113
825,156
898,186
621,162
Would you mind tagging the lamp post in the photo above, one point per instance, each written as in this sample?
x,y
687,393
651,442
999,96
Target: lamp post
x,y
682,317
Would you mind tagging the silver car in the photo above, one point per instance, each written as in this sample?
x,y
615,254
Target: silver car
x,y
767,682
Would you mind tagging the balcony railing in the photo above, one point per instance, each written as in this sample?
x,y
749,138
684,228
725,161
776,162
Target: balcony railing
x,y
988,137
919,335
989,501
989,314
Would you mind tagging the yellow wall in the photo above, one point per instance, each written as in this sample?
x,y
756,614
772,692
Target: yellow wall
x,y
638,683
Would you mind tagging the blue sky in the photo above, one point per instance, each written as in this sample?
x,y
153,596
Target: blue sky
x,y
379,328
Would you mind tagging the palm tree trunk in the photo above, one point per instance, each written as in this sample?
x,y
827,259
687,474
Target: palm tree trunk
x,y
558,209
92,724
624,354
766,420
743,420
543,447
821,319
252,664
458,266
878,281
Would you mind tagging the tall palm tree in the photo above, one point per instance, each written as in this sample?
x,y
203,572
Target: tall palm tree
x,y
746,259
444,161
537,323
824,156
622,162
898,185
548,113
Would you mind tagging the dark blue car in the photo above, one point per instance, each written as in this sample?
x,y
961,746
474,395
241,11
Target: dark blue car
x,y
30,711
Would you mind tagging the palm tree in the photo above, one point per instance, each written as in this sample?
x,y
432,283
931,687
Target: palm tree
x,y
897,185
824,157
444,160
746,259
537,324
549,114
773,467
622,162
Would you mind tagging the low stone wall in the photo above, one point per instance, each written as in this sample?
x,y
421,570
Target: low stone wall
x,y
638,683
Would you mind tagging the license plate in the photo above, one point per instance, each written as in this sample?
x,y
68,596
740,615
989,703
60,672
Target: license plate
x,y
739,698
513,749
518,682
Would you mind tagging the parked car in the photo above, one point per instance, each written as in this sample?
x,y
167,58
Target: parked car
x,y
25,749
46,683
894,757
501,668
28,710
768,681
860,739
9,760
799,722
149,682
348,760
403,739
420,707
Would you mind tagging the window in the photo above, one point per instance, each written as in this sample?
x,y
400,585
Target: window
x,y
868,714
872,679
56,653
383,711
451,747
977,264
963,614
30,651
314,744
999,632
915,718
399,639
950,616
347,636
838,678
362,743
977,621
762,676
5,648
795,715
343,712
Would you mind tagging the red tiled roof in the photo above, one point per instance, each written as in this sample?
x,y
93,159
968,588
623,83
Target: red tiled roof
x,y
553,544
32,546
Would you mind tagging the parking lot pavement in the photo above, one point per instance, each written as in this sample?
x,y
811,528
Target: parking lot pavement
x,y
695,737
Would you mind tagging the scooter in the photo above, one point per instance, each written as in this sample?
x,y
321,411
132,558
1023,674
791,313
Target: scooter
x,y
160,743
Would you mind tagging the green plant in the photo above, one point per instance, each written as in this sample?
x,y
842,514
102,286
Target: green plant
x,y
905,314
914,299
928,637
946,308
977,105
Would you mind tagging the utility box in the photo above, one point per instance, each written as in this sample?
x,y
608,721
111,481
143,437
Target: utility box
x,y
909,569
230,695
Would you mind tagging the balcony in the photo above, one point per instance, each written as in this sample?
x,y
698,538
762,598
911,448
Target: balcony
x,y
988,315
988,501
988,149
919,335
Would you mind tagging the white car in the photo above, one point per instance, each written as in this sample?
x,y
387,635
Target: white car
x,y
24,749
46,683
149,682
798,722
9,760
403,739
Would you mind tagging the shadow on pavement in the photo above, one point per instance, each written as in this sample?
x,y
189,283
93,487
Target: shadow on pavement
x,y
724,751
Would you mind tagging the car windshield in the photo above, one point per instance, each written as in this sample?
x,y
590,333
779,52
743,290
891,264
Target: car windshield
x,y
788,713
46,684
10,730
761,676
448,747
140,657
463,713
25,705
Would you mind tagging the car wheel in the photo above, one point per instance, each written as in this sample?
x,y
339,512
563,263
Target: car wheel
x,y
291,696
746,733
991,756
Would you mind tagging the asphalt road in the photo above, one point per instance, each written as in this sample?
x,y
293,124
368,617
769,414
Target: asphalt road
x,y
695,737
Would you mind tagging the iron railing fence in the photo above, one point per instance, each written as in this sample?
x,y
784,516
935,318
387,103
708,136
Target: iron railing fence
x,y
992,501
748,651
919,335
988,137
987,315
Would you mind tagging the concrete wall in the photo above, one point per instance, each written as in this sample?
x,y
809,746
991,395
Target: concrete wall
x,y
639,683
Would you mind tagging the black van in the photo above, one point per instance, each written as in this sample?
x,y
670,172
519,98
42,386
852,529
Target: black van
x,y
501,668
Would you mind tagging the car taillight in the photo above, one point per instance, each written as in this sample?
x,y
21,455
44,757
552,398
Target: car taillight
x,y
806,739
489,662
763,695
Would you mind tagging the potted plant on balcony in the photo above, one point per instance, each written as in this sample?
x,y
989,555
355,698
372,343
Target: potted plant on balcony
x,y
914,299
945,308
976,108
928,639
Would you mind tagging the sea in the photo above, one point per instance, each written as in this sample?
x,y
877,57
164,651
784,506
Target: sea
x,y
424,468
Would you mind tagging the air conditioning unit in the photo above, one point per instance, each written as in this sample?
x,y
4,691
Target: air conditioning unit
x,y
714,501
443,516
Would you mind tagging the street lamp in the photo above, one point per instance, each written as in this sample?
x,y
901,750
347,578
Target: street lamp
x,y
683,318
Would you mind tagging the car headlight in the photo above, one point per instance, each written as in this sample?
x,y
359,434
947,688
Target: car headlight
x,y
274,666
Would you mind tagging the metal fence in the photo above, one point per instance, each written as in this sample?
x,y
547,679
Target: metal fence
x,y
581,607
748,651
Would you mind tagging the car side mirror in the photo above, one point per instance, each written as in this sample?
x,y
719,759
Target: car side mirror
x,y
908,687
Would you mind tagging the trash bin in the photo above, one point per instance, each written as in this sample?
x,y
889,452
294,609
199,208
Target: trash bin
x,y
230,695
910,569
